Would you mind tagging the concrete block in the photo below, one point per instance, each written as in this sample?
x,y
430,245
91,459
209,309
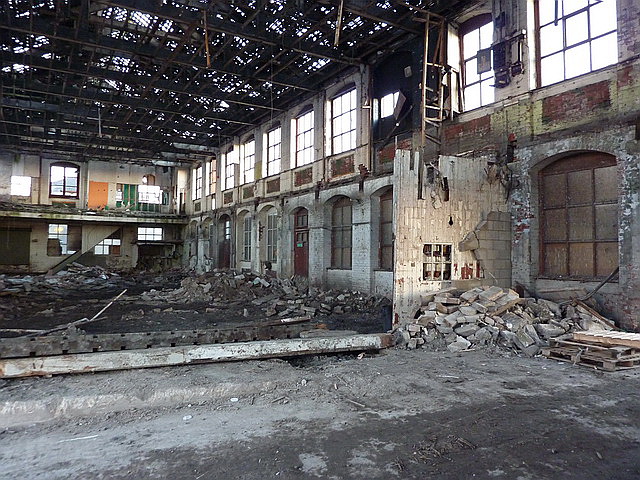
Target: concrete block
x,y
459,345
491,294
465,310
466,330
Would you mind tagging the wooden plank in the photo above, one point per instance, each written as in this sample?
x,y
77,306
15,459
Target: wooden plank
x,y
162,357
625,339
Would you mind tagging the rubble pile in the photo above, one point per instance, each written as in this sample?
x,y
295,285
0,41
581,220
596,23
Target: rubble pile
x,y
73,276
493,316
281,297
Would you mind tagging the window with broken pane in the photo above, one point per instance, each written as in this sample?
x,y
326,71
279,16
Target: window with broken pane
x,y
436,263
110,245
580,39
62,239
477,36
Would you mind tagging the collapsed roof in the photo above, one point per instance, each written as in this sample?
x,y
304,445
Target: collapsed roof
x,y
171,80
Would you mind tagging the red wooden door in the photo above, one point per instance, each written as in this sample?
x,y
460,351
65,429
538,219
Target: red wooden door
x,y
301,243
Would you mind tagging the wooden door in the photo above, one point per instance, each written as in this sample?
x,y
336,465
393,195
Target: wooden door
x,y
301,243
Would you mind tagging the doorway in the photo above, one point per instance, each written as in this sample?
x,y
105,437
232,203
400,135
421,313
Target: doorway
x,y
301,243
224,249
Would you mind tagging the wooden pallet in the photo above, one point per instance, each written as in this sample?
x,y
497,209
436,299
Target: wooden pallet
x,y
19,347
627,339
608,358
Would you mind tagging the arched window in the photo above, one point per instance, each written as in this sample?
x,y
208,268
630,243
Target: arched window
x,y
341,226
63,180
476,37
579,217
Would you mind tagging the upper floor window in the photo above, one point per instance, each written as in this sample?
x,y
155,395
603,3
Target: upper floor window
x,y
212,177
274,150
249,161
304,138
149,194
343,122
197,183
229,169
577,38
477,74
63,180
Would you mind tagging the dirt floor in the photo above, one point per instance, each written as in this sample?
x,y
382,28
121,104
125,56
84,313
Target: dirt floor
x,y
398,414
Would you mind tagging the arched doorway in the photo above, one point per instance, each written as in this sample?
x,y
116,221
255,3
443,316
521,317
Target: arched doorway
x,y
224,248
579,217
301,242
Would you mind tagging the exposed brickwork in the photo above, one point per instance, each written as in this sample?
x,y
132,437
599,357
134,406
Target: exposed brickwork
x,y
580,101
273,186
302,177
342,166
475,127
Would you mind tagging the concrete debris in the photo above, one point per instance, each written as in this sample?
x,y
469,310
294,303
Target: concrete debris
x,y
493,317
282,297
74,275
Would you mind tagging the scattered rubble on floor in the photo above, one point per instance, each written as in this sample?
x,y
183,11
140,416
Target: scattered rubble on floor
x,y
276,297
74,275
493,316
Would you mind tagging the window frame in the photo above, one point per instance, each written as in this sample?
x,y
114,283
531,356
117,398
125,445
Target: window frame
x,y
340,231
149,234
561,20
271,242
352,112
229,170
62,236
246,238
110,246
472,25
566,166
65,166
198,182
274,151
249,161
304,151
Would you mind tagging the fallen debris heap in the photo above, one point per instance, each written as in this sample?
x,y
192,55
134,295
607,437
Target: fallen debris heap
x,y
488,316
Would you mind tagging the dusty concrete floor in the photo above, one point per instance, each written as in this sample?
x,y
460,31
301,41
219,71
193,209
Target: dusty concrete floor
x,y
399,414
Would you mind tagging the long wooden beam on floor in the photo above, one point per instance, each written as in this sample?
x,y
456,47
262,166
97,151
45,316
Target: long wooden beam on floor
x,y
169,356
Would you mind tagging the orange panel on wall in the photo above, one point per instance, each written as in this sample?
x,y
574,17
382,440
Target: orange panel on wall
x,y
98,194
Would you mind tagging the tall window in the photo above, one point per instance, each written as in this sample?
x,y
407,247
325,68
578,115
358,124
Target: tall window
x,y
272,236
212,177
249,161
149,194
580,39
229,170
343,122
274,150
304,139
386,231
341,234
477,37
579,217
246,239
63,180
196,190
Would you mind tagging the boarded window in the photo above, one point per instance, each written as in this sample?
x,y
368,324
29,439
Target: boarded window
x,y
579,217
341,225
